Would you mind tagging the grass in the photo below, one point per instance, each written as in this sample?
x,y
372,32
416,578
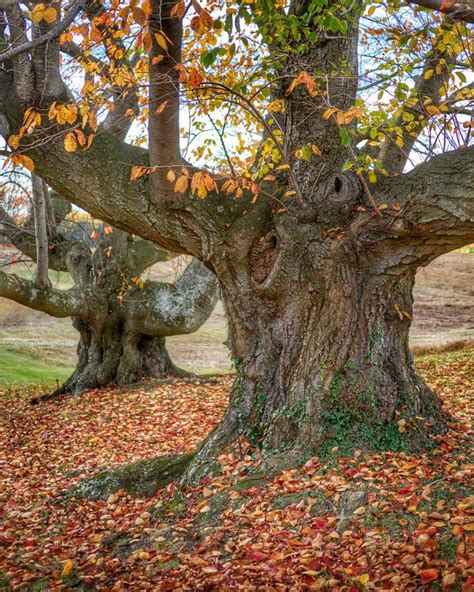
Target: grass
x,y
18,369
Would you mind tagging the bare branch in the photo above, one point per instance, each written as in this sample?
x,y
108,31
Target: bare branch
x,y
414,114
163,309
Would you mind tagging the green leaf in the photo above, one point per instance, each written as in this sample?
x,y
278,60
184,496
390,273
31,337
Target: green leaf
x,y
345,137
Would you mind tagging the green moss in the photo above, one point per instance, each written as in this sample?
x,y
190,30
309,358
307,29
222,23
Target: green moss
x,y
140,479
5,580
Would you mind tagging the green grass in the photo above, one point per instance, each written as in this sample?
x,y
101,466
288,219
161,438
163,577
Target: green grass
x,y
18,369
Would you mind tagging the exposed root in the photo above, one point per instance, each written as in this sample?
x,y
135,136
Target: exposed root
x,y
140,479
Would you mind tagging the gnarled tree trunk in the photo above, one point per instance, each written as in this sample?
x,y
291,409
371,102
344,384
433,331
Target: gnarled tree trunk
x,y
108,353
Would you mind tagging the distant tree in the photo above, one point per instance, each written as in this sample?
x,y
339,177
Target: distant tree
x,y
122,320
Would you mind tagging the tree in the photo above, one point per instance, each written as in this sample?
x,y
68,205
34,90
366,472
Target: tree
x,y
315,233
122,320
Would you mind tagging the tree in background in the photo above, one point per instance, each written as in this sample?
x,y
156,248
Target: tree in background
x,y
306,213
122,320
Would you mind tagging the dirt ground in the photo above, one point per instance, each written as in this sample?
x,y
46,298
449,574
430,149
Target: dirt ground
x,y
444,313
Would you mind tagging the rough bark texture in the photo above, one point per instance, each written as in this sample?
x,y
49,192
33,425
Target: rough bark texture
x,y
318,294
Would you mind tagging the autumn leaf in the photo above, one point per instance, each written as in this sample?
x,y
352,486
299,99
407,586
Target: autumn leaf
x,y
181,184
70,142
67,569
22,160
37,13
160,39
161,107
429,575
194,78
50,15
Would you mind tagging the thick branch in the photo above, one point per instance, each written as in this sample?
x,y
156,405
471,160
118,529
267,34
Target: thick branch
x,y
437,209
143,254
166,31
163,309
414,114
461,9
54,32
22,68
57,303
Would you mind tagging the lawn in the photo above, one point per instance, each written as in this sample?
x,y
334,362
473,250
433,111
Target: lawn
x,y
18,369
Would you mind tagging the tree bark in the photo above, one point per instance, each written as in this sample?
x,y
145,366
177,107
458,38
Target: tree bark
x,y
41,233
109,354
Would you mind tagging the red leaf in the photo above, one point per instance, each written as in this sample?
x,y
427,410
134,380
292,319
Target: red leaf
x,y
429,575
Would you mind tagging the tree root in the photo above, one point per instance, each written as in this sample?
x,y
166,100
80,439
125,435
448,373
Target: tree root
x,y
139,479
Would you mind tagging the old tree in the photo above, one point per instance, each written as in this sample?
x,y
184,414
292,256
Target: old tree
x,y
122,320
303,209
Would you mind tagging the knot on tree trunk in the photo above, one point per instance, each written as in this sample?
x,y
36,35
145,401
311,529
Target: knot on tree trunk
x,y
263,254
336,198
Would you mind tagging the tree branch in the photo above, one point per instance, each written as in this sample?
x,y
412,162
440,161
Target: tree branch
x,y
41,233
57,303
435,213
53,33
162,309
163,126
460,9
414,114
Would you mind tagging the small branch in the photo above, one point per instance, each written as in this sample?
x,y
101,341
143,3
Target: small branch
x,y
49,36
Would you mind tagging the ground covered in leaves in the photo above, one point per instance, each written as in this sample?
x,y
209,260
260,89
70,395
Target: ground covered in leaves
x,y
378,521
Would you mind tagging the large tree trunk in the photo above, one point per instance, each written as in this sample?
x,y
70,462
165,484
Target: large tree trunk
x,y
324,365
108,353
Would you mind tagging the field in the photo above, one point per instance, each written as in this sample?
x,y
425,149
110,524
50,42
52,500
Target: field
x,y
38,348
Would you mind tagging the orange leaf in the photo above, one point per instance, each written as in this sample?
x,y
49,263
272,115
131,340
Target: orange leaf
x,y
161,107
429,575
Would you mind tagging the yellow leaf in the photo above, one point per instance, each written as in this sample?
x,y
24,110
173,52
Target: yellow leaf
x,y
364,578
67,569
50,15
143,555
161,41
13,142
21,159
171,176
181,184
372,177
432,110
327,114
70,142
428,74
37,13
316,150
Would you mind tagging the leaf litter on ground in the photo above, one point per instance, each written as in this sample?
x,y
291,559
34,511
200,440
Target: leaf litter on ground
x,y
412,529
